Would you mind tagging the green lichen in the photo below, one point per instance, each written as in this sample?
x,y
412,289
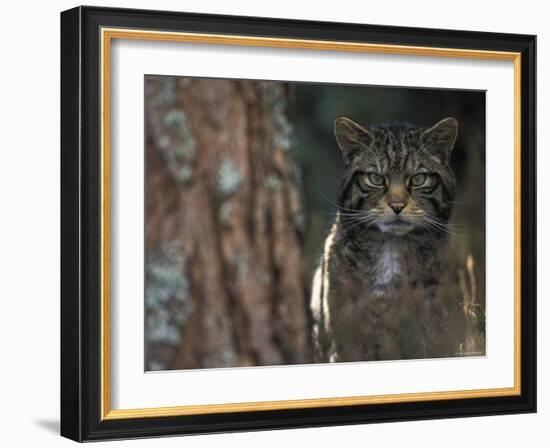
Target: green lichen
x,y
166,294
178,146
295,174
240,263
185,82
167,93
153,365
161,329
300,220
187,150
185,175
275,99
164,142
264,277
227,351
282,138
224,214
175,118
272,183
229,177
223,355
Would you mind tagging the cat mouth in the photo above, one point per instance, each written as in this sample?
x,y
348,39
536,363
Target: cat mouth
x,y
396,226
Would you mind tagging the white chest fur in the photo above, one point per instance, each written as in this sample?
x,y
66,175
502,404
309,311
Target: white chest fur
x,y
389,265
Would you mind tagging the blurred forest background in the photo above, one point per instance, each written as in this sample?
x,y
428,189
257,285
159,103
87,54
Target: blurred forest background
x,y
241,181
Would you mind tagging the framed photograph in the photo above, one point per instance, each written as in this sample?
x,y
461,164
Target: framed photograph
x,y
275,224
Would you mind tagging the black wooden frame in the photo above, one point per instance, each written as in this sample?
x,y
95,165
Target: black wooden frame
x,y
80,223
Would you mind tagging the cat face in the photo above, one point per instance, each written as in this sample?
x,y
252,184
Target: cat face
x,y
397,178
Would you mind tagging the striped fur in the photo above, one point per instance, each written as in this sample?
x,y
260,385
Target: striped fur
x,y
381,254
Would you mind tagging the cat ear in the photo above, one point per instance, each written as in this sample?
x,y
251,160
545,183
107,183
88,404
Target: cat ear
x,y
440,139
351,137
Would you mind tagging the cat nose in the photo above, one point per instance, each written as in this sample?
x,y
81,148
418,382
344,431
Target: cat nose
x,y
397,207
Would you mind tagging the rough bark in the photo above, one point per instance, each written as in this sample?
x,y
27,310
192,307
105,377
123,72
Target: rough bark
x,y
224,276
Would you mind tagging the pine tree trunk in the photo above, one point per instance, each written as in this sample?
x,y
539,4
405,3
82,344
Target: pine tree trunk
x,y
224,244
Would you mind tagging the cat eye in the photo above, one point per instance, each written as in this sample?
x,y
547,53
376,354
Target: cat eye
x,y
418,180
370,180
375,179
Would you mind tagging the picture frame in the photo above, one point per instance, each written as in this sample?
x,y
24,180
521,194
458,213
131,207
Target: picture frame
x,y
87,35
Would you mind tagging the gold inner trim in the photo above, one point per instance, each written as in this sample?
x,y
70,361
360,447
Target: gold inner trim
x,y
517,222
105,225
107,34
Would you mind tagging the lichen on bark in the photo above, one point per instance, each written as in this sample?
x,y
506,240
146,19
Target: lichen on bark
x,y
221,181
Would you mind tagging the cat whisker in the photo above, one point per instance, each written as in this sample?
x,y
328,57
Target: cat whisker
x,y
337,206
441,226
368,220
335,213
448,224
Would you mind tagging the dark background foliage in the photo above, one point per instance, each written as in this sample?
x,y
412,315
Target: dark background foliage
x,y
320,159
241,183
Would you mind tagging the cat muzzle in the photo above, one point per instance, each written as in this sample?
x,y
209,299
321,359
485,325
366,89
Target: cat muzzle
x,y
396,226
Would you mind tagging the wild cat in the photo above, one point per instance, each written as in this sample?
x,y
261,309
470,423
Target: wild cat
x,y
375,292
